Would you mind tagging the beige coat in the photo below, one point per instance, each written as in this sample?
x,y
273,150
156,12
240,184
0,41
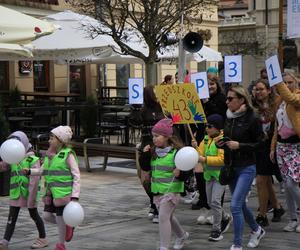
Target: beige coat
x,y
292,100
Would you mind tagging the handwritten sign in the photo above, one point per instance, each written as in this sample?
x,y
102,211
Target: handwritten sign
x,y
201,84
273,70
233,68
181,103
136,90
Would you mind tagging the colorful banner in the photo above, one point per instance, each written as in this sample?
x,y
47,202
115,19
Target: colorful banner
x,y
293,18
181,103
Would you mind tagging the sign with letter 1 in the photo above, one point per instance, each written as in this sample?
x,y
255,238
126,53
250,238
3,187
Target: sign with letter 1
x,y
273,70
136,90
181,103
201,84
233,68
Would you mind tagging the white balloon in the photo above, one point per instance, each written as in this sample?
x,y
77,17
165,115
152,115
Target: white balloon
x,y
186,158
73,214
12,151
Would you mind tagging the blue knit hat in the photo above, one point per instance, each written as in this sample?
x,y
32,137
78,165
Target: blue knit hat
x,y
212,70
216,120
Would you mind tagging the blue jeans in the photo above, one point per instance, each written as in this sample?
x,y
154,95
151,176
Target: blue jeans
x,y
239,189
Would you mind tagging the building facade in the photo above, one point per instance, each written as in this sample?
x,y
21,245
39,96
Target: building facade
x,y
46,76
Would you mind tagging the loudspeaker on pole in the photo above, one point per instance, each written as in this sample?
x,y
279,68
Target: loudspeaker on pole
x,y
192,42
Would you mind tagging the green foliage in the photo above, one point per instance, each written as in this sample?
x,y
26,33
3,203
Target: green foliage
x,y
88,117
4,127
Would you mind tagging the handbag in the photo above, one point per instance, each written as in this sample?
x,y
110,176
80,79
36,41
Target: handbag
x,y
226,175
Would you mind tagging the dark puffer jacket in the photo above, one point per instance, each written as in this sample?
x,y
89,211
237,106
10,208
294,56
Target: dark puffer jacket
x,y
247,130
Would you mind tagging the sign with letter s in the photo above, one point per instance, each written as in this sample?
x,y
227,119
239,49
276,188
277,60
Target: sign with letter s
x,y
233,68
201,84
136,90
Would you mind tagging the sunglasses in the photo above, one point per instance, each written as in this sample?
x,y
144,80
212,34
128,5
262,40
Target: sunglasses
x,y
230,98
209,125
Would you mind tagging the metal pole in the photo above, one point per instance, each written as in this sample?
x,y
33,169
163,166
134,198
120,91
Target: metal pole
x,y
181,55
280,41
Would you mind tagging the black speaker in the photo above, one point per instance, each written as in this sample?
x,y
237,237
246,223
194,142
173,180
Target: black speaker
x,y
192,42
169,39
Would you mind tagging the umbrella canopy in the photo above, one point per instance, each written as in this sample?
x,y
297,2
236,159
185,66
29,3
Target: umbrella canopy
x,y
18,29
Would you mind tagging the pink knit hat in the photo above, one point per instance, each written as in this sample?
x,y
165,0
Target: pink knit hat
x,y
22,137
63,133
163,127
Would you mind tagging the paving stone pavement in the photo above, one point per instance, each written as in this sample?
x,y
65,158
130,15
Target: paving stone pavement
x,y
116,219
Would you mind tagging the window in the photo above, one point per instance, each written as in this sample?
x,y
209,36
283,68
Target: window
x,y
4,80
122,75
77,79
41,75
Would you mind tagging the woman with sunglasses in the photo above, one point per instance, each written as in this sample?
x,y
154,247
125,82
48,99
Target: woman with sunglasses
x,y
286,142
244,132
264,102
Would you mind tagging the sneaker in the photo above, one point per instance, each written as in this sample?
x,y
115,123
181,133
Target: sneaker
x,y
255,237
215,236
262,220
189,198
202,217
39,243
225,224
179,242
69,233
298,229
233,247
155,219
291,227
277,214
209,220
60,246
151,213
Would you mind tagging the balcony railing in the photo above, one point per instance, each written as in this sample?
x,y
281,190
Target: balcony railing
x,y
237,21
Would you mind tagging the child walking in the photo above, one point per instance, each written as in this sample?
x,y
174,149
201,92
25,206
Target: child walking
x,y
23,193
165,183
62,181
213,159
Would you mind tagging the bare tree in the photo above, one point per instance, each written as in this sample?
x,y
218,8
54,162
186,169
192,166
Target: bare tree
x,y
151,18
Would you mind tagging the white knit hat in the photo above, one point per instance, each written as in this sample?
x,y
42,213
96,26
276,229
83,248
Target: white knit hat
x,y
63,133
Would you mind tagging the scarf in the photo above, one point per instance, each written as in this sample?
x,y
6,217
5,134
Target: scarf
x,y
161,152
232,115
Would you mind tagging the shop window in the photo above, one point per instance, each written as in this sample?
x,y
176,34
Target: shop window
x,y
41,75
77,79
4,79
122,75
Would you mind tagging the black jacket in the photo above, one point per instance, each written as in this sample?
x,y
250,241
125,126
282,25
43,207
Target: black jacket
x,y
247,130
216,105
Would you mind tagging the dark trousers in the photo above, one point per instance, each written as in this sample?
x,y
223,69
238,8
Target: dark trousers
x,y
12,219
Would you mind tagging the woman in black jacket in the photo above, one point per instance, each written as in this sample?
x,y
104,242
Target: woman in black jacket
x,y
242,137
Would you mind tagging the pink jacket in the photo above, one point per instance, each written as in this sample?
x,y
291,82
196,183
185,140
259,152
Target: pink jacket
x,y
71,161
31,201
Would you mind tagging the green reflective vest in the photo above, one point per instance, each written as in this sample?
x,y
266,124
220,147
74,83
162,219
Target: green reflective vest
x,y
210,150
163,180
19,182
58,177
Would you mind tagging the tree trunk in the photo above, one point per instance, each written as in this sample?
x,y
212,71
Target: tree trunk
x,y
151,74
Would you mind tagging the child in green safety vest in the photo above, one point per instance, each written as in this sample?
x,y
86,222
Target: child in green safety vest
x,y
24,193
212,159
166,184
62,181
